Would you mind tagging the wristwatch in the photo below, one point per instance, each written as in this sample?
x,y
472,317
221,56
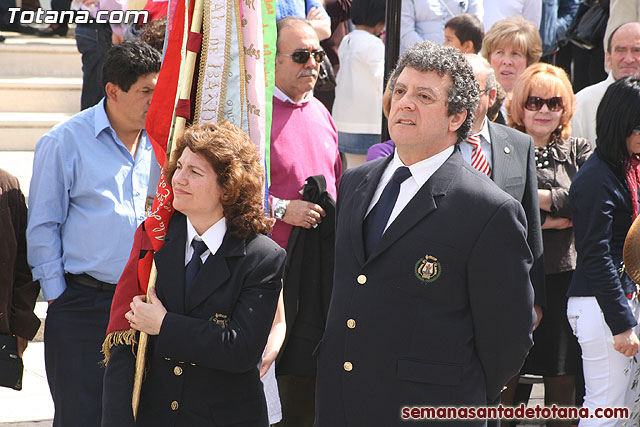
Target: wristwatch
x,y
279,208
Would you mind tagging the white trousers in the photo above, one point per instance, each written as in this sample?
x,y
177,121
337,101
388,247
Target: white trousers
x,y
607,373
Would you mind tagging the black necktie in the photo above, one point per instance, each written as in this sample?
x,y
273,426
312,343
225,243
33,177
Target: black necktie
x,y
191,271
377,219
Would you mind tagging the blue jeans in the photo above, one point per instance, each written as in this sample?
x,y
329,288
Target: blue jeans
x,y
356,143
93,42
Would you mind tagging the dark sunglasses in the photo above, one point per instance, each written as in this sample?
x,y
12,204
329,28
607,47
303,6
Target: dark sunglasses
x,y
535,103
301,56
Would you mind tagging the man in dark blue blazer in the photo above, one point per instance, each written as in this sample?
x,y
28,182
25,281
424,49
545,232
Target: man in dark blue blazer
x,y
432,303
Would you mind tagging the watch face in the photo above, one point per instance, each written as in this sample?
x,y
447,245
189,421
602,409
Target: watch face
x,y
279,211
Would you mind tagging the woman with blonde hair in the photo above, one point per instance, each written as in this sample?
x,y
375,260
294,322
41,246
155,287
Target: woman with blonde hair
x,y
510,46
542,105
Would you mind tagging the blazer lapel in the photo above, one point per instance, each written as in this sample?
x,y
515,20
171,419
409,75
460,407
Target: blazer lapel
x,y
214,272
170,265
501,153
361,199
422,204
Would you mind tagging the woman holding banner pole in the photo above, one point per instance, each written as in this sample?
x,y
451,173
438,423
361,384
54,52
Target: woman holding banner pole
x,y
218,283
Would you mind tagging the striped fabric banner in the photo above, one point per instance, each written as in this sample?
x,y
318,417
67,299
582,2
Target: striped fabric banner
x,y
214,55
252,36
232,86
269,39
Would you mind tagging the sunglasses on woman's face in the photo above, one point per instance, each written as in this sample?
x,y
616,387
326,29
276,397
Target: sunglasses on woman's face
x,y
535,103
636,131
301,56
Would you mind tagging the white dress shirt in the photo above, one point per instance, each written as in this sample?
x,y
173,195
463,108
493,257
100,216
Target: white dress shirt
x,y
212,238
420,173
485,144
497,10
425,19
358,104
285,98
583,123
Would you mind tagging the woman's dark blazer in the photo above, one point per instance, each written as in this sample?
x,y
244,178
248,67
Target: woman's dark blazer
x,y
600,205
202,372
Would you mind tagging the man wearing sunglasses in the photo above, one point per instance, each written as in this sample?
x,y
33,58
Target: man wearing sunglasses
x,y
304,143
623,59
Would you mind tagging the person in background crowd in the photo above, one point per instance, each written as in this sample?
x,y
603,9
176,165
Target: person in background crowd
x,y
589,63
311,10
219,277
304,145
414,317
357,110
156,10
496,10
557,16
94,179
56,29
18,291
510,46
154,33
509,162
493,112
338,11
621,12
507,157
464,32
93,40
603,306
16,26
384,148
542,106
623,59
424,19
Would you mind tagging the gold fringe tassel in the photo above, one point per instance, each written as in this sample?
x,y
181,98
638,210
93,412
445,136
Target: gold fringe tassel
x,y
127,337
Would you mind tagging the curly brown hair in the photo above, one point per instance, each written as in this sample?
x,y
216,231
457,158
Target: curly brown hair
x,y
153,33
236,161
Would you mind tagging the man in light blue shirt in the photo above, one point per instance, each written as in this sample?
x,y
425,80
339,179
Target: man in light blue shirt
x,y
94,177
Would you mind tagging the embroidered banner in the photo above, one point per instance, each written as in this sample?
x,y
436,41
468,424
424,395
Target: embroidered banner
x,y
269,56
214,56
252,35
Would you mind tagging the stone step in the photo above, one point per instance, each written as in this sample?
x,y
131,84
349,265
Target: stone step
x,y
43,94
21,131
30,56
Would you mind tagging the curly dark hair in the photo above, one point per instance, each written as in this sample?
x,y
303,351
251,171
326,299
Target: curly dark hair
x,y
464,93
236,161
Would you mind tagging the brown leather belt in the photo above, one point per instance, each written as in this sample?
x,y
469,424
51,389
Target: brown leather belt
x,y
90,282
